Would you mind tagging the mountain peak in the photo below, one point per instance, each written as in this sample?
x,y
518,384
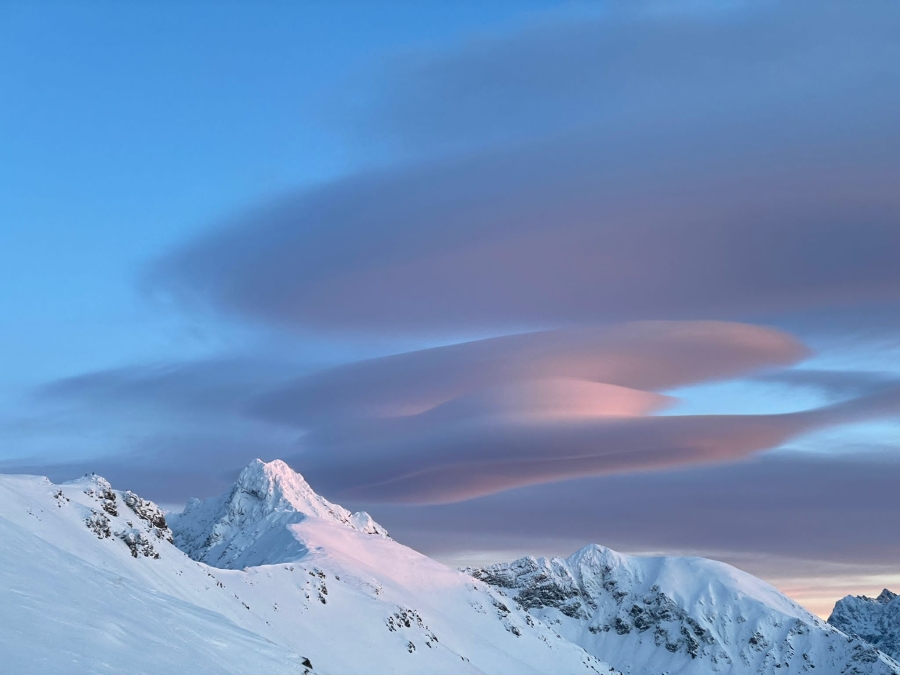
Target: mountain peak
x,y
885,597
278,487
251,523
275,470
875,620
671,614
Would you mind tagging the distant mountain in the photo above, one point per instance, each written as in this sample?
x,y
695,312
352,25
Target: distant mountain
x,y
875,620
692,616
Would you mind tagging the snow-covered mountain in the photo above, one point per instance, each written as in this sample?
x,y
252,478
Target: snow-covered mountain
x,y
875,620
667,615
92,584
251,523
273,578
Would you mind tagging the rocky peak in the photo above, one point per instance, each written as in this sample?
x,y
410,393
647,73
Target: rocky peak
x,y
125,516
875,620
685,615
248,525
266,487
885,596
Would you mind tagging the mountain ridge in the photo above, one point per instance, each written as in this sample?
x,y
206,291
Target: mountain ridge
x,y
875,620
353,603
678,615
329,592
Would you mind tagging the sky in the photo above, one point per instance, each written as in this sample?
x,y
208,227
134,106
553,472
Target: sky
x,y
513,277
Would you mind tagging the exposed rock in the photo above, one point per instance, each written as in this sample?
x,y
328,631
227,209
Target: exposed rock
x,y
875,620
685,615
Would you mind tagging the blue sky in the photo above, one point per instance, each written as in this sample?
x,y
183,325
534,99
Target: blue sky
x,y
130,127
214,217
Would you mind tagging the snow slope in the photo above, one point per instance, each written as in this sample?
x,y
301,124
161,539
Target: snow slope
x,y
875,620
372,604
75,602
91,584
690,616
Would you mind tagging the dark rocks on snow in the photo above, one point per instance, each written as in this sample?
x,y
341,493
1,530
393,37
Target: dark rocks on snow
x,y
98,523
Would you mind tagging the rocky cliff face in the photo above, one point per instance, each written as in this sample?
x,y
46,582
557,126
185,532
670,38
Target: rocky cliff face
x,y
138,523
875,620
684,615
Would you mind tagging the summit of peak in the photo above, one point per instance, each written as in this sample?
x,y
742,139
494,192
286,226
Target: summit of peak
x,y
269,487
875,620
596,555
885,596
275,480
276,469
249,524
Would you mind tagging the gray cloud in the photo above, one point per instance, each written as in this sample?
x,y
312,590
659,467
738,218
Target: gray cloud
x,y
439,456
719,164
213,386
838,508
638,65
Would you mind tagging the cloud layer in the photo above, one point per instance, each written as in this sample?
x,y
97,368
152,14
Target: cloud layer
x,y
651,356
645,164
780,515
457,422
438,457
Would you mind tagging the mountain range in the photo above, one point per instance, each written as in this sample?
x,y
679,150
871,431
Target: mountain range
x,y
271,577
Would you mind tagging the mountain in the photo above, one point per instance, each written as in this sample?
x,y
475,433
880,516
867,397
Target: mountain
x,y
274,578
91,583
875,620
667,615
368,602
251,524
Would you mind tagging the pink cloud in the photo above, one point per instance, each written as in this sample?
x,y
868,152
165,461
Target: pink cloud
x,y
651,356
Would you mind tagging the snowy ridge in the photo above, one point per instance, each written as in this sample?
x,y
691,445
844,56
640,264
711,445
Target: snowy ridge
x,y
664,615
248,525
90,583
81,593
875,620
92,573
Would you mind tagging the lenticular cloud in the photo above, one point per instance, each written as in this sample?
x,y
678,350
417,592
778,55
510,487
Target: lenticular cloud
x,y
736,162
452,423
458,422
650,356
